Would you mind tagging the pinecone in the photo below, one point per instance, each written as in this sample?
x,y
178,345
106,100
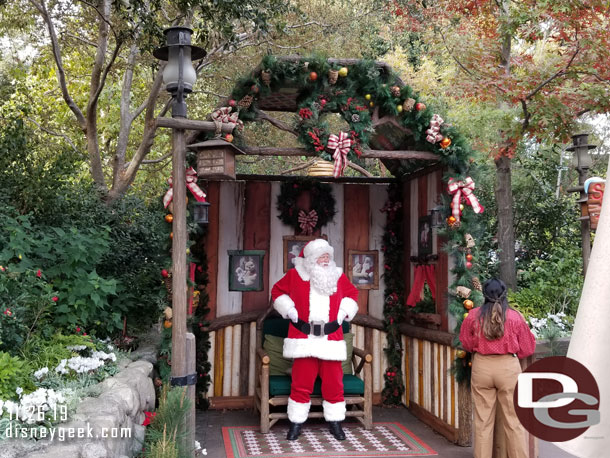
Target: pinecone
x,y
245,102
266,77
395,90
332,76
476,284
408,104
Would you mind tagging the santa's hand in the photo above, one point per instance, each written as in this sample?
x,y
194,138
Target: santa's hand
x,y
341,315
293,315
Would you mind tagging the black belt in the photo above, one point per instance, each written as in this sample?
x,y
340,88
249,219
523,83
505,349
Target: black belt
x,y
316,328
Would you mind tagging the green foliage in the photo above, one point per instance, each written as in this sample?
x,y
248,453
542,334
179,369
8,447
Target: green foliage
x,y
48,353
394,294
168,422
14,373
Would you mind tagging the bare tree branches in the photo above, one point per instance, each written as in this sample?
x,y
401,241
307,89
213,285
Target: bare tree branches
x,y
54,133
275,122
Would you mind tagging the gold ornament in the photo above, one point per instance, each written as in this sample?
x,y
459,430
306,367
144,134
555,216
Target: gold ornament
x,y
465,315
408,104
266,77
462,291
395,90
460,354
371,104
367,96
445,142
169,217
343,72
399,108
451,220
469,363
332,76
468,304
461,207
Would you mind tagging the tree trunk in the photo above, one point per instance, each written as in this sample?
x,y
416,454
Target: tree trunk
x,y
506,231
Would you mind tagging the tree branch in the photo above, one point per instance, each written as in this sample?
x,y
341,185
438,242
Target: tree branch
x,y
61,74
155,161
56,134
560,73
359,169
299,167
275,122
102,82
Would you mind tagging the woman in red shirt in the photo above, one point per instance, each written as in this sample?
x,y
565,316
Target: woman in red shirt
x,y
498,336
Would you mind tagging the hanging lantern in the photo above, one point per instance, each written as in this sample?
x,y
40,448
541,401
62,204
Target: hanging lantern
x,y
201,212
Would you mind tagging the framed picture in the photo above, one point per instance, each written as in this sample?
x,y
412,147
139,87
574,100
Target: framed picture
x,y
246,270
363,268
424,236
293,244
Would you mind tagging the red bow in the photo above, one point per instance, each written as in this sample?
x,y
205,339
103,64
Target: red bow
x,y
191,184
466,187
308,221
341,146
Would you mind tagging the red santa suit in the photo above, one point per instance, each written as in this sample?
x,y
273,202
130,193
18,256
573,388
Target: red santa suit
x,y
314,354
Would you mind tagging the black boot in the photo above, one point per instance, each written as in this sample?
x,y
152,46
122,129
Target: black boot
x,y
336,430
294,431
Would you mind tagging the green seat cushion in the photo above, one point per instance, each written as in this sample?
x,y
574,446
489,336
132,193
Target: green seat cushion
x,y
279,385
274,346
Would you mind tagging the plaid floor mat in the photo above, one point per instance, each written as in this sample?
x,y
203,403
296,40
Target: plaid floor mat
x,y
384,439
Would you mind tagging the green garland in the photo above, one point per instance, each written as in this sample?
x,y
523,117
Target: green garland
x,y
322,201
362,91
394,295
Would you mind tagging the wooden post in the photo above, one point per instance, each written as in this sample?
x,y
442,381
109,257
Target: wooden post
x,y
190,392
465,413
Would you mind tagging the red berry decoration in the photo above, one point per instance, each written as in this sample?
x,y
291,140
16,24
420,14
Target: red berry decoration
x,y
468,265
164,273
420,106
232,103
313,76
468,257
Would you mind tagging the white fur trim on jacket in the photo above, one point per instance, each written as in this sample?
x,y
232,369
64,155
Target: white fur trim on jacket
x,y
283,304
298,411
298,265
334,411
315,347
319,306
350,306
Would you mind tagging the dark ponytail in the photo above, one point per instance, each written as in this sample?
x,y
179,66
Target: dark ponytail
x,y
493,311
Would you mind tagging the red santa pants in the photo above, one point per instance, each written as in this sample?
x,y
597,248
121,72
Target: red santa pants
x,y
304,374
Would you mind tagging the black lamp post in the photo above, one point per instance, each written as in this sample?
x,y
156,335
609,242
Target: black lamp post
x,y
582,161
179,77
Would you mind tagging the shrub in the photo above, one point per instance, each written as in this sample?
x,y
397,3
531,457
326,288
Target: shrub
x,y
14,373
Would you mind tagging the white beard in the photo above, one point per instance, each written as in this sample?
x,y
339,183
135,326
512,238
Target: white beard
x,y
323,278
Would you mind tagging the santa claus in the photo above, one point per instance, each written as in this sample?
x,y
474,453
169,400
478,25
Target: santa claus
x,y
317,297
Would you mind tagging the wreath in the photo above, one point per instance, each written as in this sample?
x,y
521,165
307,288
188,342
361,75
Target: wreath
x,y
306,220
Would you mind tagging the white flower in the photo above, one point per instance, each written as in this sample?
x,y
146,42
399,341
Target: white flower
x,y
19,390
40,373
76,347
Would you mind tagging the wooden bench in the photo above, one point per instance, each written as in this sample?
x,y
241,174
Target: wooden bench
x,y
273,390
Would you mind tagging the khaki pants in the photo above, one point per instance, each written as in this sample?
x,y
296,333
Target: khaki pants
x,y
494,378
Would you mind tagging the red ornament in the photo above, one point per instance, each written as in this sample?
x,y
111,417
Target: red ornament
x,y
164,273
420,106
229,138
468,265
313,76
468,257
232,103
55,298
